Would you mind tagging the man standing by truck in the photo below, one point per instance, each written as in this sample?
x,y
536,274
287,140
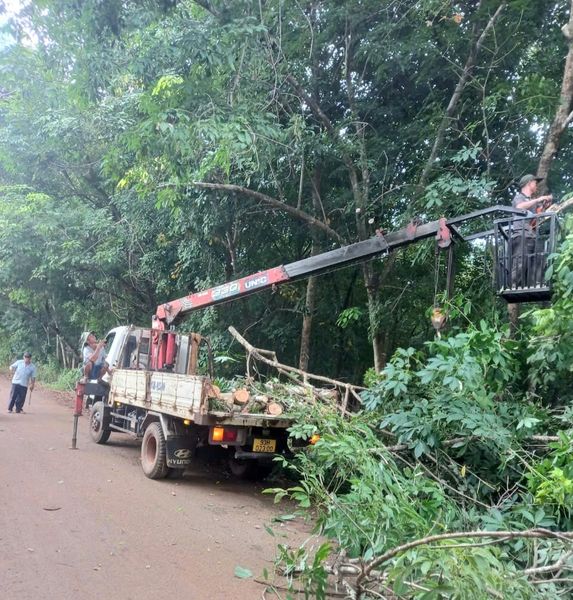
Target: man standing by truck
x,y
24,376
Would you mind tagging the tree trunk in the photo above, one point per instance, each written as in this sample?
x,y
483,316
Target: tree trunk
x,y
513,314
372,283
564,115
312,283
305,336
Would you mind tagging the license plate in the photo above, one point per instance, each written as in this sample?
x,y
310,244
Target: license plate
x,y
264,445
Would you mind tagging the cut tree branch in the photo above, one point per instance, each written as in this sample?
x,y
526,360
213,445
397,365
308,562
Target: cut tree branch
x,y
550,568
538,533
257,353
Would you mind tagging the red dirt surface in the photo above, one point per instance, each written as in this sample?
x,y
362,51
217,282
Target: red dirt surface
x,y
87,524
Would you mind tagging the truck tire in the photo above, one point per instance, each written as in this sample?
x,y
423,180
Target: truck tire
x,y
154,452
249,469
99,423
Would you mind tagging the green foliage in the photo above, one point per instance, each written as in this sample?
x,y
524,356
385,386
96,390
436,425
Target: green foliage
x,y
53,376
364,501
456,408
463,387
457,573
368,503
551,342
448,188
550,480
372,377
305,567
349,316
117,108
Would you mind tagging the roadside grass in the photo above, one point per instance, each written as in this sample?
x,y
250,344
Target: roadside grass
x,y
54,377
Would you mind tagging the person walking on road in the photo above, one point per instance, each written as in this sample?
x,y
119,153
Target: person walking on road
x,y
24,376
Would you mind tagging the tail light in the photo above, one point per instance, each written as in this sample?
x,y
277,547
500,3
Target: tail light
x,y
223,434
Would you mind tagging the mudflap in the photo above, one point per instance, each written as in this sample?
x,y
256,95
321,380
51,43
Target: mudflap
x,y
180,451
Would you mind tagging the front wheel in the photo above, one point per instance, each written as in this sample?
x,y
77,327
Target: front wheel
x,y
154,452
99,423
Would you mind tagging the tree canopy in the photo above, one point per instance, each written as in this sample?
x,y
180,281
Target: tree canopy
x,y
156,148
177,145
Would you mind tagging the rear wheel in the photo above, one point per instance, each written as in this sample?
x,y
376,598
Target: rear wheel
x,y
154,452
250,469
99,423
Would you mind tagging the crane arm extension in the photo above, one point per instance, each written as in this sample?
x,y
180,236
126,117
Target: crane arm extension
x,y
168,313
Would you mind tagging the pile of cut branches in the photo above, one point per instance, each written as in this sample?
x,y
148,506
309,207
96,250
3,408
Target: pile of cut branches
x,y
276,397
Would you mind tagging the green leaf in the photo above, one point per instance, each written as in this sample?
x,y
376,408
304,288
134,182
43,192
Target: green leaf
x,y
242,572
284,518
419,449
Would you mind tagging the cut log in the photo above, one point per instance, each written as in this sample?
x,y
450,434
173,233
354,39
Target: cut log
x,y
214,391
256,404
227,398
241,396
274,408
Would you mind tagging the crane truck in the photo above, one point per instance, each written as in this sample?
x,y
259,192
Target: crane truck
x,y
161,381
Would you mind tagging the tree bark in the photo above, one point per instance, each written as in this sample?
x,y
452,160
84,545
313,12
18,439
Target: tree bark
x,y
306,331
564,114
311,285
513,314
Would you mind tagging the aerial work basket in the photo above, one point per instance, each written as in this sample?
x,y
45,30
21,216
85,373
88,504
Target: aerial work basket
x,y
523,245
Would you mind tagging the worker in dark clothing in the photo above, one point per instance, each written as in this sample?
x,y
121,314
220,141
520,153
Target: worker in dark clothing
x,y
523,235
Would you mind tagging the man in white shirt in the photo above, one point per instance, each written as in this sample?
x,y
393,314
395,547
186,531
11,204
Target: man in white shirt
x,y
94,363
24,376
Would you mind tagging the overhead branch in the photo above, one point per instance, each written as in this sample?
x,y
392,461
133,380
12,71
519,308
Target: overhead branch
x,y
564,113
358,194
208,6
452,105
291,210
312,104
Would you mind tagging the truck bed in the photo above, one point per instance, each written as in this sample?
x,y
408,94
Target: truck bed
x,y
183,396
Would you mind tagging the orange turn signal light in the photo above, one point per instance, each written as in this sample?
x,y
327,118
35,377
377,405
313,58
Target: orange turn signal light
x,y
221,434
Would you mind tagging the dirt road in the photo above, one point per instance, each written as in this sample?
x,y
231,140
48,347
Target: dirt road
x,y
87,524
